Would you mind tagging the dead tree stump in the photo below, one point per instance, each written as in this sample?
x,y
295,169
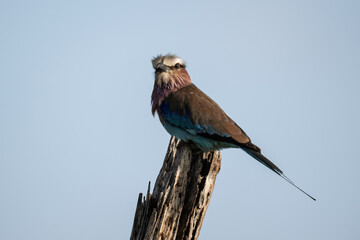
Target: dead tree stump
x,y
181,195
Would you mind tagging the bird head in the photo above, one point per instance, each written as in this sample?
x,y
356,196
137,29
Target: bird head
x,y
170,71
170,76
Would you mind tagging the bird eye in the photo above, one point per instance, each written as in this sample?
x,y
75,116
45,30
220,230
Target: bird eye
x,y
177,65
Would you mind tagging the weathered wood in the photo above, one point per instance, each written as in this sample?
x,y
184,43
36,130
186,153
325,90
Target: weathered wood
x,y
181,195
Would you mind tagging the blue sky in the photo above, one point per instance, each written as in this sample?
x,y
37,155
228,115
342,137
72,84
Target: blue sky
x,y
78,141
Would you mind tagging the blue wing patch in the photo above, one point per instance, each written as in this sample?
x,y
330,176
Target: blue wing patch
x,y
205,137
184,122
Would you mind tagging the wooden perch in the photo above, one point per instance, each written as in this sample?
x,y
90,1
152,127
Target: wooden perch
x,y
181,195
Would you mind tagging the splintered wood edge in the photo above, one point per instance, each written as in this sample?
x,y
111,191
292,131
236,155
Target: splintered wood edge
x,y
152,217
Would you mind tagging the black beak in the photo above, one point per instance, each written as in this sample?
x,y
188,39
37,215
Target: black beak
x,y
160,67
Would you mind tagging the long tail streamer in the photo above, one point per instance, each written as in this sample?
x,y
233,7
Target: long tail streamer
x,y
262,159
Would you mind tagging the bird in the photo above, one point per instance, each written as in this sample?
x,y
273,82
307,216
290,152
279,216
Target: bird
x,y
190,115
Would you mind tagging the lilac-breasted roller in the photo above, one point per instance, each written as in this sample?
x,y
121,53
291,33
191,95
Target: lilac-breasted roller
x,y
190,115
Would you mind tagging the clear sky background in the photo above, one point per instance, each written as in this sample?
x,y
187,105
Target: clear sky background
x,y
78,141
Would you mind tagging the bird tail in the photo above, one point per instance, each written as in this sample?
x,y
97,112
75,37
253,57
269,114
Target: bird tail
x,y
262,159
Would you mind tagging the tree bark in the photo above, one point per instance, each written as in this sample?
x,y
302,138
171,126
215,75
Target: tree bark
x,y
181,195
